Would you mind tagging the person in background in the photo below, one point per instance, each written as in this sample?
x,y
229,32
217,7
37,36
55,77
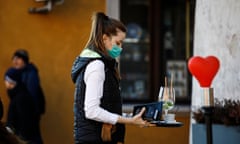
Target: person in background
x,y
22,118
1,109
30,78
5,136
8,138
97,101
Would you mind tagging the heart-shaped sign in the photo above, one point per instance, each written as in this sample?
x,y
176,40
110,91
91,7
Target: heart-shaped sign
x,y
204,69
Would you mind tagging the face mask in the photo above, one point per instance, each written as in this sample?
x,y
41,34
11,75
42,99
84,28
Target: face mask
x,y
115,51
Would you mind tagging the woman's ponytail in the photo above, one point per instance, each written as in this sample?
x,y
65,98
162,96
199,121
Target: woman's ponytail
x,y
100,22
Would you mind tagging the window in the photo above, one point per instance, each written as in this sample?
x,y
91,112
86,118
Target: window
x,y
158,43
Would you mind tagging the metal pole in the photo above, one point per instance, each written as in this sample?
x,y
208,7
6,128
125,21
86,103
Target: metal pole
x,y
208,111
208,108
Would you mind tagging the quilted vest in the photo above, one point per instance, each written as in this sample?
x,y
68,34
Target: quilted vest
x,y
86,130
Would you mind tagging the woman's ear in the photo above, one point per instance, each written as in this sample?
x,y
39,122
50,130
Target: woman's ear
x,y
105,38
107,41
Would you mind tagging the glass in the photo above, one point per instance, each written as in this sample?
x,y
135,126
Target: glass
x,y
167,96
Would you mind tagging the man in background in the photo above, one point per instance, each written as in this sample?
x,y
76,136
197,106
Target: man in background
x,y
5,136
30,78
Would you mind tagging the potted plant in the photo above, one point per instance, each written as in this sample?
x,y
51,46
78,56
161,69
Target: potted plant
x,y
225,123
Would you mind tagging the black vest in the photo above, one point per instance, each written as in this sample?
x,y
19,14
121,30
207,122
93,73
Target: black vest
x,y
89,131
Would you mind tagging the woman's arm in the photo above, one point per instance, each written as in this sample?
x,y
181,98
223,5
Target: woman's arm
x,y
136,120
94,78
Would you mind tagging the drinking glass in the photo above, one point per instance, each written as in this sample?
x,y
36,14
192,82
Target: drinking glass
x,y
167,96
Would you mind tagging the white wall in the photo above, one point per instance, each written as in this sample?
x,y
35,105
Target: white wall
x,y
217,32
113,8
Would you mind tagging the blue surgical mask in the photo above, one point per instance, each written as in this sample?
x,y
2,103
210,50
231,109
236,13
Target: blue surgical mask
x,y
115,51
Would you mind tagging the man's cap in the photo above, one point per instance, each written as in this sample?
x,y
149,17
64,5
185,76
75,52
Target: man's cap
x,y
23,54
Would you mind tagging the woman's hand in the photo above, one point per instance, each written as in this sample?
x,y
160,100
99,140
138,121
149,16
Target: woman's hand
x,y
136,120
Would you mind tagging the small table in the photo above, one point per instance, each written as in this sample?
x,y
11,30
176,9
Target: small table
x,y
167,124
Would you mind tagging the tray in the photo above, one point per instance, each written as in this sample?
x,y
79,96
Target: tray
x,y
167,124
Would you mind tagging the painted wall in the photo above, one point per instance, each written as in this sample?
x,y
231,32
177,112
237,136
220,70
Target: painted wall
x,y
53,41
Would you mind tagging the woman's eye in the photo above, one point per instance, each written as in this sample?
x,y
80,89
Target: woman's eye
x,y
118,44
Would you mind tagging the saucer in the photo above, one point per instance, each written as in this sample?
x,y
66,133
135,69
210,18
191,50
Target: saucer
x,y
171,121
167,124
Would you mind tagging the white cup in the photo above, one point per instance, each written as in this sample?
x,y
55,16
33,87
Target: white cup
x,y
169,118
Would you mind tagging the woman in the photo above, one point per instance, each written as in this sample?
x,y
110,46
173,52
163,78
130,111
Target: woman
x,y
21,118
97,101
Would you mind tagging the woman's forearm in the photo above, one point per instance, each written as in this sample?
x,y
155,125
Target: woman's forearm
x,y
125,120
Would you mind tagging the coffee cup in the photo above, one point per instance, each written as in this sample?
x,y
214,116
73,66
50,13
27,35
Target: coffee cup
x,y
169,118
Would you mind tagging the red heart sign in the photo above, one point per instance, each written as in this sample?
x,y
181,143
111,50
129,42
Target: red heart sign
x,y
204,69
